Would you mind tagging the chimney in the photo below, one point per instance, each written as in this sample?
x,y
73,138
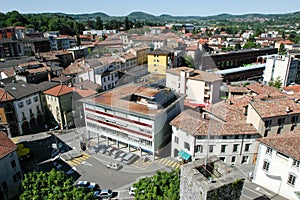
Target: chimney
x,y
245,110
204,115
288,109
49,75
81,87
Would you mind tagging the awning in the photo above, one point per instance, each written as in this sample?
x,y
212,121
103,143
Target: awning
x,y
184,155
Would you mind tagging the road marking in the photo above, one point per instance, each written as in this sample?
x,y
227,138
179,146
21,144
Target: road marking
x,y
262,190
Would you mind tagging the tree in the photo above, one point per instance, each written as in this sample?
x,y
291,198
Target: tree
x,y
161,186
99,23
127,24
282,49
51,185
237,46
277,83
250,45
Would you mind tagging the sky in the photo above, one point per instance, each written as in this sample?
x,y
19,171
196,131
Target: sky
x,y
155,7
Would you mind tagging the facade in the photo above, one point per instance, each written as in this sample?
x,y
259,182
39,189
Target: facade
x,y
59,104
210,179
159,61
27,106
9,44
271,116
199,86
136,116
283,67
10,173
278,162
62,42
141,54
201,134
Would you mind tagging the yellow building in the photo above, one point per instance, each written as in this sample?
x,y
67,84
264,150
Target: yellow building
x,y
159,61
141,54
59,104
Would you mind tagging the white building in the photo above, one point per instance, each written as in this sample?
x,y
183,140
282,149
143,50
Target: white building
x,y
277,167
198,135
284,67
136,116
199,86
10,173
27,106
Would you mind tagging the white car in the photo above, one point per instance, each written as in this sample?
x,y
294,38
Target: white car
x,y
131,191
115,166
87,185
121,156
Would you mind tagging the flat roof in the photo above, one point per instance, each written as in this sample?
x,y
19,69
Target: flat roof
x,y
240,69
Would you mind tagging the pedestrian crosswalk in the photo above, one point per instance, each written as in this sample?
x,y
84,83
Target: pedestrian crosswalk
x,y
168,162
140,163
78,160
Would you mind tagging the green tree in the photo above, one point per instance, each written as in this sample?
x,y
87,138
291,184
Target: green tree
x,y
161,186
237,46
99,23
282,49
250,45
51,185
127,24
277,83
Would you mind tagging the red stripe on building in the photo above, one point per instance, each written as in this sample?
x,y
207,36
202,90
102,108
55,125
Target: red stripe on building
x,y
120,127
117,117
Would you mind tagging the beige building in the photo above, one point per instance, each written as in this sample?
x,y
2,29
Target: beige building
x,y
141,54
199,86
59,103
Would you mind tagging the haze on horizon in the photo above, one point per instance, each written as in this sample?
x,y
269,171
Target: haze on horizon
x,y
154,7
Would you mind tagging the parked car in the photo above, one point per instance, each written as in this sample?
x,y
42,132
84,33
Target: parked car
x,y
87,185
109,151
115,166
104,193
102,150
121,156
130,158
131,191
95,149
115,153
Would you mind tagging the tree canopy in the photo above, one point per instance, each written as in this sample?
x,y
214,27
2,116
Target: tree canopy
x,y
162,186
52,185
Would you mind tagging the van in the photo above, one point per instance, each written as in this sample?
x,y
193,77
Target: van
x,y
109,151
115,153
129,158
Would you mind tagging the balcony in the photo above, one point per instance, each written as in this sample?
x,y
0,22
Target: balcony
x,y
207,95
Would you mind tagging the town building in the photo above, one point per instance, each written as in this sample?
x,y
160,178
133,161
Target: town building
x,y
283,67
222,132
133,115
209,178
159,61
10,173
10,46
200,86
278,162
59,103
27,106
141,54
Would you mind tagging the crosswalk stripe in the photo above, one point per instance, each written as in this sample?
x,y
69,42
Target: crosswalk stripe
x,y
169,162
174,164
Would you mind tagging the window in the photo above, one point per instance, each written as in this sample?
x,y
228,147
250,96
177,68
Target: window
x,y
266,133
176,139
198,148
186,145
28,101
296,163
235,147
268,123
4,186
20,104
223,148
294,119
35,98
17,176
244,159
269,151
280,121
211,148
291,179
266,166
233,159
222,158
279,130
247,147
13,164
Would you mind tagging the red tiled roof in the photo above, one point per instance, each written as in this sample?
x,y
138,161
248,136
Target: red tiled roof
x,y
59,90
193,123
6,145
237,89
292,88
85,92
5,96
275,107
288,143
261,89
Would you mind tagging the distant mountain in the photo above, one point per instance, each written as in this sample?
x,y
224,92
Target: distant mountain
x,y
142,16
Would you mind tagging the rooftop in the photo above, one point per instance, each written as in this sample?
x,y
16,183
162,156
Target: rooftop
x,y
59,90
134,99
285,143
20,89
6,145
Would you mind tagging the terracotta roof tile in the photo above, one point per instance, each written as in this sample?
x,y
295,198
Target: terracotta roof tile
x,y
261,89
275,107
5,96
59,90
6,145
237,89
193,123
288,143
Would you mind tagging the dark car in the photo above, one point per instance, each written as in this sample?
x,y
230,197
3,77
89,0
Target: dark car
x,y
104,193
